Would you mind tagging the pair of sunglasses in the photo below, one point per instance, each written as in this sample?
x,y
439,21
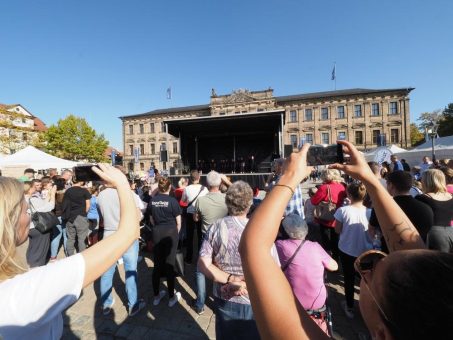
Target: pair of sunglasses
x,y
364,265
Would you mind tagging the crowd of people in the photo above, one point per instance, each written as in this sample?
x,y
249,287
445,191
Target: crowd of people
x,y
387,228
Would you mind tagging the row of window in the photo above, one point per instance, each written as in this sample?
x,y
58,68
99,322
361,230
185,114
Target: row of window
x,y
152,148
375,111
141,128
358,137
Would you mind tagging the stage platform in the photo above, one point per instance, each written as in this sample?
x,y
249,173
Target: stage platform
x,y
254,179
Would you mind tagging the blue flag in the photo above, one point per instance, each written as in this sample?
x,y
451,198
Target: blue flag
x,y
169,93
334,72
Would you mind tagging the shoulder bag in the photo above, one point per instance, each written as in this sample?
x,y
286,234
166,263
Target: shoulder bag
x,y
292,257
190,203
43,221
325,210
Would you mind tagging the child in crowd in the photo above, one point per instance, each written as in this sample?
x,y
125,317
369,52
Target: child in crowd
x,y
351,222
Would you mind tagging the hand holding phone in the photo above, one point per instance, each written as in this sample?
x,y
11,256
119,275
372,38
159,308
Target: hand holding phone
x,y
325,154
85,173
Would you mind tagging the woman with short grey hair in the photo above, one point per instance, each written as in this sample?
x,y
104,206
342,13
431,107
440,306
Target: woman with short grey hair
x,y
220,261
303,263
239,198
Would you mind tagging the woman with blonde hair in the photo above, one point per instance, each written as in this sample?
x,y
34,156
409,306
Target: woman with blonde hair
x,y
30,308
440,237
331,190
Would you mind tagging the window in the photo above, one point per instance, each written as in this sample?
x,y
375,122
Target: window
x,y
24,137
376,134
358,110
151,127
221,113
340,112
260,110
324,113
293,116
375,109
308,114
130,166
393,108
131,129
325,138
142,166
341,135
162,127
175,147
394,136
243,111
153,148
142,149
237,112
309,138
359,137
131,150
293,139
142,129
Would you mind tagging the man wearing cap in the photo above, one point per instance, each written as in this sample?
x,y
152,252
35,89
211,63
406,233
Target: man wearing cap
x,y
29,174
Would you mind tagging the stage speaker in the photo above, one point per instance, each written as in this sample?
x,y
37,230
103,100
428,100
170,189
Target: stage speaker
x,y
287,150
172,171
163,156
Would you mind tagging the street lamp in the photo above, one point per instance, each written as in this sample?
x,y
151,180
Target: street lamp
x,y
432,132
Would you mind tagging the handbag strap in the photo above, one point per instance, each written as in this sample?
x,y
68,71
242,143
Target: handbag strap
x,y
329,195
190,203
292,257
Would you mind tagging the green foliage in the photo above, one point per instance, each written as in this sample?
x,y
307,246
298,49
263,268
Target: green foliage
x,y
72,138
427,118
417,137
446,123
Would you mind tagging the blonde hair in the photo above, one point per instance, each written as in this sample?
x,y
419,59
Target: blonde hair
x,y
331,175
10,212
433,180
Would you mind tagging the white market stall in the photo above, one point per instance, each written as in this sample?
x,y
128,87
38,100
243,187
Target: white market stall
x,y
443,147
31,157
383,156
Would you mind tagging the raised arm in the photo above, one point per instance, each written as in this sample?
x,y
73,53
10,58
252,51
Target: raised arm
x,y
398,230
278,316
102,255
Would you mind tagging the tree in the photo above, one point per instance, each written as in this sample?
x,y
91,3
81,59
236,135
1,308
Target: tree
x,y
427,118
417,137
72,138
446,123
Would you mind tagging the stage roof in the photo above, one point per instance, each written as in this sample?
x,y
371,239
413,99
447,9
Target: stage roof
x,y
244,123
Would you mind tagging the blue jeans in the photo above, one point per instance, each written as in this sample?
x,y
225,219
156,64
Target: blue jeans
x,y
56,237
200,280
234,321
130,266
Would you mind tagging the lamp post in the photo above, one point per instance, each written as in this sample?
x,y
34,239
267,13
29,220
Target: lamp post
x,y
432,132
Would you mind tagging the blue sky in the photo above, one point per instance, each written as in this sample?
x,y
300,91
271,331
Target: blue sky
x,y
104,59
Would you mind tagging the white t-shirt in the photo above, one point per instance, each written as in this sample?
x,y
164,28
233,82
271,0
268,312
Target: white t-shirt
x,y
189,193
31,303
354,239
109,207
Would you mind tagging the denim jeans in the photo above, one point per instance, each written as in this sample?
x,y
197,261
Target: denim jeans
x,y
130,266
57,232
200,280
234,321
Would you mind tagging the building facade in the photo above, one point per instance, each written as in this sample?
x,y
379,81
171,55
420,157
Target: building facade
x,y
356,115
18,128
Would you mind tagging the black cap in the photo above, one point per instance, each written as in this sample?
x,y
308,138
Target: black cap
x,y
29,170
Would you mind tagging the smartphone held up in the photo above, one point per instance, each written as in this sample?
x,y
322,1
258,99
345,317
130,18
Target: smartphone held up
x,y
322,154
85,173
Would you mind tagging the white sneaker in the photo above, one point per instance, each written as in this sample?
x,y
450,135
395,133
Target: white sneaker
x,y
159,297
348,311
174,299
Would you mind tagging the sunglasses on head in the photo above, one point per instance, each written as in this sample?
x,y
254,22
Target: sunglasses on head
x,y
365,264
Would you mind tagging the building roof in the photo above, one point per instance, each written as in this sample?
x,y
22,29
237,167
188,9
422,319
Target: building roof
x,y
303,96
39,125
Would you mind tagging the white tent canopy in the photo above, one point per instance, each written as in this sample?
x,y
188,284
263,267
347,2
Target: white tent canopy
x,y
443,147
31,157
393,149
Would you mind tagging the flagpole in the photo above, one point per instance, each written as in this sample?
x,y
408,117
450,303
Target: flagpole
x,y
335,75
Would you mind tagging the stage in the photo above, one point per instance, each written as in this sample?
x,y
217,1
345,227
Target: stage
x,y
253,179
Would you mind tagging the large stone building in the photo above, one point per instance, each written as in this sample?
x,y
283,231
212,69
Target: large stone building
x,y
358,115
18,128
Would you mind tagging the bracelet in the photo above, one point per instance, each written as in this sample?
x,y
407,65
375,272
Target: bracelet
x,y
228,279
286,186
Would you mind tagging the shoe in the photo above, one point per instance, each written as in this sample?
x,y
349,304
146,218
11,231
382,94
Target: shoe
x,y
159,297
198,310
348,311
52,259
174,299
106,310
137,307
